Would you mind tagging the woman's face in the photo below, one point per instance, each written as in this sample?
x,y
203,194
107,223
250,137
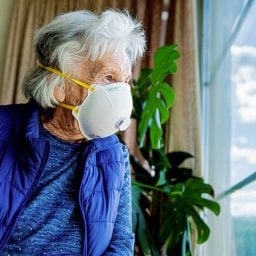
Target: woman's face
x,y
111,68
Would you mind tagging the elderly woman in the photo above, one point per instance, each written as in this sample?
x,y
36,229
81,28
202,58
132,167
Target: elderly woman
x,y
64,175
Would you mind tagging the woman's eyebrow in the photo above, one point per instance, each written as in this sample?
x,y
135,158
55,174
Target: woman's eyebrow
x,y
96,68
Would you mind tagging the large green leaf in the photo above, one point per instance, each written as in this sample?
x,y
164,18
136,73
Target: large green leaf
x,y
157,108
140,91
160,95
203,231
156,133
184,201
164,62
166,53
195,188
146,119
184,198
167,94
163,112
144,81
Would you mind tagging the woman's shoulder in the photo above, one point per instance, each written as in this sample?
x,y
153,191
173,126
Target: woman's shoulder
x,y
7,116
10,116
7,112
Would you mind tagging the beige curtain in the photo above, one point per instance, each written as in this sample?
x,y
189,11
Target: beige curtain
x,y
28,15
183,129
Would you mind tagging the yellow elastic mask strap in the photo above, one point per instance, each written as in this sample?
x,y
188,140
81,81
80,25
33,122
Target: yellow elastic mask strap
x,y
73,108
87,86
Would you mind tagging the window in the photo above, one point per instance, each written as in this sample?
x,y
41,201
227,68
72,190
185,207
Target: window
x,y
243,139
228,96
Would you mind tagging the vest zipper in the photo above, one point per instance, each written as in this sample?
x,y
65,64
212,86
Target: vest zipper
x,y
34,186
85,245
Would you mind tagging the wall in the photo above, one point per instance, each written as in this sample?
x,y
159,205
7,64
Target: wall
x,y
6,7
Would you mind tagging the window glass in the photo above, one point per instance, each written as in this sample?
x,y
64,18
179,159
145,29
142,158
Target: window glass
x,y
243,140
227,78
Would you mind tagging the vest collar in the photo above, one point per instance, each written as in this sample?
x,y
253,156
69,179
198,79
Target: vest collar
x,y
103,143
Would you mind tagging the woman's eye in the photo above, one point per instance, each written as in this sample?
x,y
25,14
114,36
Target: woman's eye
x,y
108,78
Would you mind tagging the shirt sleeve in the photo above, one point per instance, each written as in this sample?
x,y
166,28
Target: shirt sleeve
x,y
122,241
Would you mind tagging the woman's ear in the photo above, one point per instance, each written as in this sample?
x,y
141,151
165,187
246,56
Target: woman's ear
x,y
59,93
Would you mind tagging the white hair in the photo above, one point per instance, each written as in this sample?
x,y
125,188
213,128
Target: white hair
x,y
76,36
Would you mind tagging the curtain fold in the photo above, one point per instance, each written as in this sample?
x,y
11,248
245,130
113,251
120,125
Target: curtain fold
x,y
183,129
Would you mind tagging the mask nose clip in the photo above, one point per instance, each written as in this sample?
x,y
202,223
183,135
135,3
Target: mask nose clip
x,y
123,124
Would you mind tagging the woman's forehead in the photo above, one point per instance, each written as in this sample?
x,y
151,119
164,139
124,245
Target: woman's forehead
x,y
117,62
119,58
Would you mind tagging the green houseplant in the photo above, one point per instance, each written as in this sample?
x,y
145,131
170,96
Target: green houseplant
x,y
166,205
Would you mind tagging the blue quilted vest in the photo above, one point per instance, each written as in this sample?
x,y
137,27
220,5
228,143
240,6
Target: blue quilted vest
x,y
23,156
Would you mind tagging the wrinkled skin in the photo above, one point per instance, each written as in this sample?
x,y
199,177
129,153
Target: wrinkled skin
x,y
110,68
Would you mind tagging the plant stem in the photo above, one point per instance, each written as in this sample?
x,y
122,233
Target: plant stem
x,y
139,184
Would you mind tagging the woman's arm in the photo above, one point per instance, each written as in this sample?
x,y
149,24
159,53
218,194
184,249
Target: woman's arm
x,y
122,241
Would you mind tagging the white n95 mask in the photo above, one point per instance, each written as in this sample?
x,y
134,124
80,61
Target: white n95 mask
x,y
106,109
